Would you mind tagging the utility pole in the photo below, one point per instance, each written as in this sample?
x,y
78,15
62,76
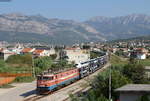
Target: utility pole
x,y
90,62
110,99
110,85
33,69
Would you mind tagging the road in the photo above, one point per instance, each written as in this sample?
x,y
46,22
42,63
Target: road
x,y
26,92
18,93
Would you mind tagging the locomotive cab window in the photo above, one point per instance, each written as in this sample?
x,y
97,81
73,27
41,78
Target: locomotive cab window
x,y
39,77
48,78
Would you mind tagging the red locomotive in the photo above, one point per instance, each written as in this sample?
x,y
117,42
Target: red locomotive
x,y
52,80
49,82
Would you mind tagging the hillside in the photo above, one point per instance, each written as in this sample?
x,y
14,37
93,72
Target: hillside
x,y
121,27
18,27
21,28
141,38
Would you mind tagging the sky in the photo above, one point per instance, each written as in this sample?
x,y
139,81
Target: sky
x,y
79,10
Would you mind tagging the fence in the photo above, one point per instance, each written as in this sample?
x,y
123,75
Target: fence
x,y
6,78
14,75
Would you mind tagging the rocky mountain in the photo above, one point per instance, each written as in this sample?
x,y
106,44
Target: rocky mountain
x,y
18,27
21,28
121,27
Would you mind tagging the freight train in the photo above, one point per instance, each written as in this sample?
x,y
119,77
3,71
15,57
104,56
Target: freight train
x,y
52,80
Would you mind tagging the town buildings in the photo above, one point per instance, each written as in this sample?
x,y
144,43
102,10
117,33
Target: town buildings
x,y
5,53
27,50
76,55
7,50
139,53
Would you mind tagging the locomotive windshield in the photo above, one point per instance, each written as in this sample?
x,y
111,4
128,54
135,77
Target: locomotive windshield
x,y
45,78
75,65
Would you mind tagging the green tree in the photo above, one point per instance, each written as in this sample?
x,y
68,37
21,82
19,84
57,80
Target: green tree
x,y
53,57
144,98
135,72
20,59
74,98
118,80
2,63
86,47
102,98
62,64
101,83
119,53
42,63
94,54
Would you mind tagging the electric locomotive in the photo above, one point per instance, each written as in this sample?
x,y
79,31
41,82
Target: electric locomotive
x,y
51,80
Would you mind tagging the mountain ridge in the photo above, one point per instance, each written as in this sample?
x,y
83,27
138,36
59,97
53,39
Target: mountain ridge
x,y
39,28
121,27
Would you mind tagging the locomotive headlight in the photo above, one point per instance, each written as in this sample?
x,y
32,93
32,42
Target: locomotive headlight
x,y
46,85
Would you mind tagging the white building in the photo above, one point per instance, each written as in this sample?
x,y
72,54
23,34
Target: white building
x,y
141,56
40,53
51,51
27,50
17,49
140,53
77,55
5,53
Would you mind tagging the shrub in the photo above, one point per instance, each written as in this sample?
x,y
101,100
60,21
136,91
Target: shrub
x,y
135,72
20,59
24,79
42,63
144,98
53,57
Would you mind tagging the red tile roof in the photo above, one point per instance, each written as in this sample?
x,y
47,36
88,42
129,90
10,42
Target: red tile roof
x,y
72,48
26,50
37,51
140,49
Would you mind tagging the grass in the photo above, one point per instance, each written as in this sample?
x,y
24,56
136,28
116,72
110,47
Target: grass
x,y
145,62
24,79
14,68
6,86
116,60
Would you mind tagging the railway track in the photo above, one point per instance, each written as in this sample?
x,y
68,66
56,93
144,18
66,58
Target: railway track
x,y
63,93
37,97
33,98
